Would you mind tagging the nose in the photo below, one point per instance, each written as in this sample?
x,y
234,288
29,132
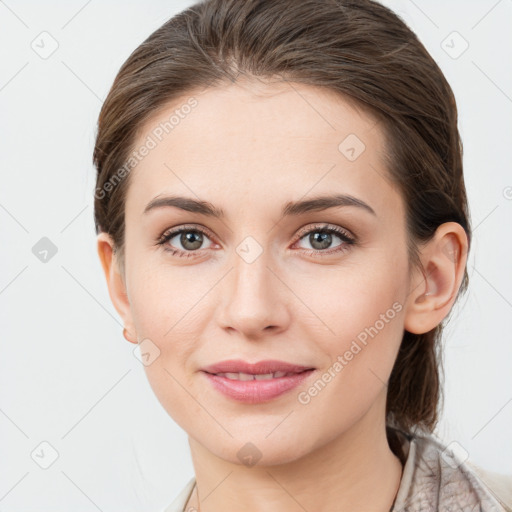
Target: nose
x,y
254,300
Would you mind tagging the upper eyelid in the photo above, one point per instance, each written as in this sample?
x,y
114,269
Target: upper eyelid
x,y
325,226
176,231
304,230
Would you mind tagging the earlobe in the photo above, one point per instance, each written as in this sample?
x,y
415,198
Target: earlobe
x,y
434,287
115,283
130,337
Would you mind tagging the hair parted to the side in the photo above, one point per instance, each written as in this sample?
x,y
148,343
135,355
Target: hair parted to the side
x,y
359,49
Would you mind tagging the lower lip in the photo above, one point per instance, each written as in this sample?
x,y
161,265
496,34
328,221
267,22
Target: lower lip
x,y
257,391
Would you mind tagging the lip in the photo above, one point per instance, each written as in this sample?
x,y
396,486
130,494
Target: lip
x,y
261,367
256,391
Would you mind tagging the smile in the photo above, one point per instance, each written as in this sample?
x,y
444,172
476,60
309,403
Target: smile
x,y
256,388
250,376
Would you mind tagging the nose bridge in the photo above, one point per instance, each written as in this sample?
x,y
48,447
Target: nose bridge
x,y
252,295
251,273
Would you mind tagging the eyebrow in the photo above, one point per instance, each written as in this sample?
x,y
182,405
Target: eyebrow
x,y
292,208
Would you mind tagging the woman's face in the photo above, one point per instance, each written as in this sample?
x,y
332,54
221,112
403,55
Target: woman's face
x,y
265,281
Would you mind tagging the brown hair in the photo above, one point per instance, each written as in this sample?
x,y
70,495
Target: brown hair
x,y
356,48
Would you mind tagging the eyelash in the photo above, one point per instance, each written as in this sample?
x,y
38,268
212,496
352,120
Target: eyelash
x,y
348,240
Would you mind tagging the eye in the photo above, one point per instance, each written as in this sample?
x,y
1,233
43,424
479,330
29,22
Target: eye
x,y
320,238
190,238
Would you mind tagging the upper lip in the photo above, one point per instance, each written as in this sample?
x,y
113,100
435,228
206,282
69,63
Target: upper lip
x,y
259,368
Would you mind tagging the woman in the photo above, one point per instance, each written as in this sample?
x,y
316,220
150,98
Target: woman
x,y
283,225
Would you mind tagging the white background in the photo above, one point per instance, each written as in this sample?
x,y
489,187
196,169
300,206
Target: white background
x,y
69,378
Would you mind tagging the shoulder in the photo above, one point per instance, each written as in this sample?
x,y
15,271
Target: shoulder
x,y
443,473
178,505
498,483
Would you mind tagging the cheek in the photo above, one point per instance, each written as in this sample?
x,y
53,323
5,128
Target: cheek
x,y
350,299
164,299
163,312
362,323
361,358
176,395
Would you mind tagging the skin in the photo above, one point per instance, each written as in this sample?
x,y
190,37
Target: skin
x,y
249,148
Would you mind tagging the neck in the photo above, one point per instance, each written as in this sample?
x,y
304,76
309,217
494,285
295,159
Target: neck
x,y
355,471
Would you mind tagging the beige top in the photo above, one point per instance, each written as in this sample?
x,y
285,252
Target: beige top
x,y
434,479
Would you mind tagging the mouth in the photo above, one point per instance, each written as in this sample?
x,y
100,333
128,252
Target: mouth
x,y
253,388
256,376
272,367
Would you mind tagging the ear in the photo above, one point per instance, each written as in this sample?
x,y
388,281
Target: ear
x,y
116,283
433,289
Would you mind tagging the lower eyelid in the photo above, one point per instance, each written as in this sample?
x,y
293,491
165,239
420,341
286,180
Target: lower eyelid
x,y
347,241
343,246
166,238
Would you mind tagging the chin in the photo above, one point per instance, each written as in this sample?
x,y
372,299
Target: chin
x,y
257,453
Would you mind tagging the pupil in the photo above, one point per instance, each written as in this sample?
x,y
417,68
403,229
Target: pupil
x,y
325,240
188,238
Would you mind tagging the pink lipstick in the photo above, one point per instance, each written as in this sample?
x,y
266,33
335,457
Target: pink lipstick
x,y
257,382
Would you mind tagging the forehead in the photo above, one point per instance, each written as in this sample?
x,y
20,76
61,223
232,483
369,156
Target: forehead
x,y
259,140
